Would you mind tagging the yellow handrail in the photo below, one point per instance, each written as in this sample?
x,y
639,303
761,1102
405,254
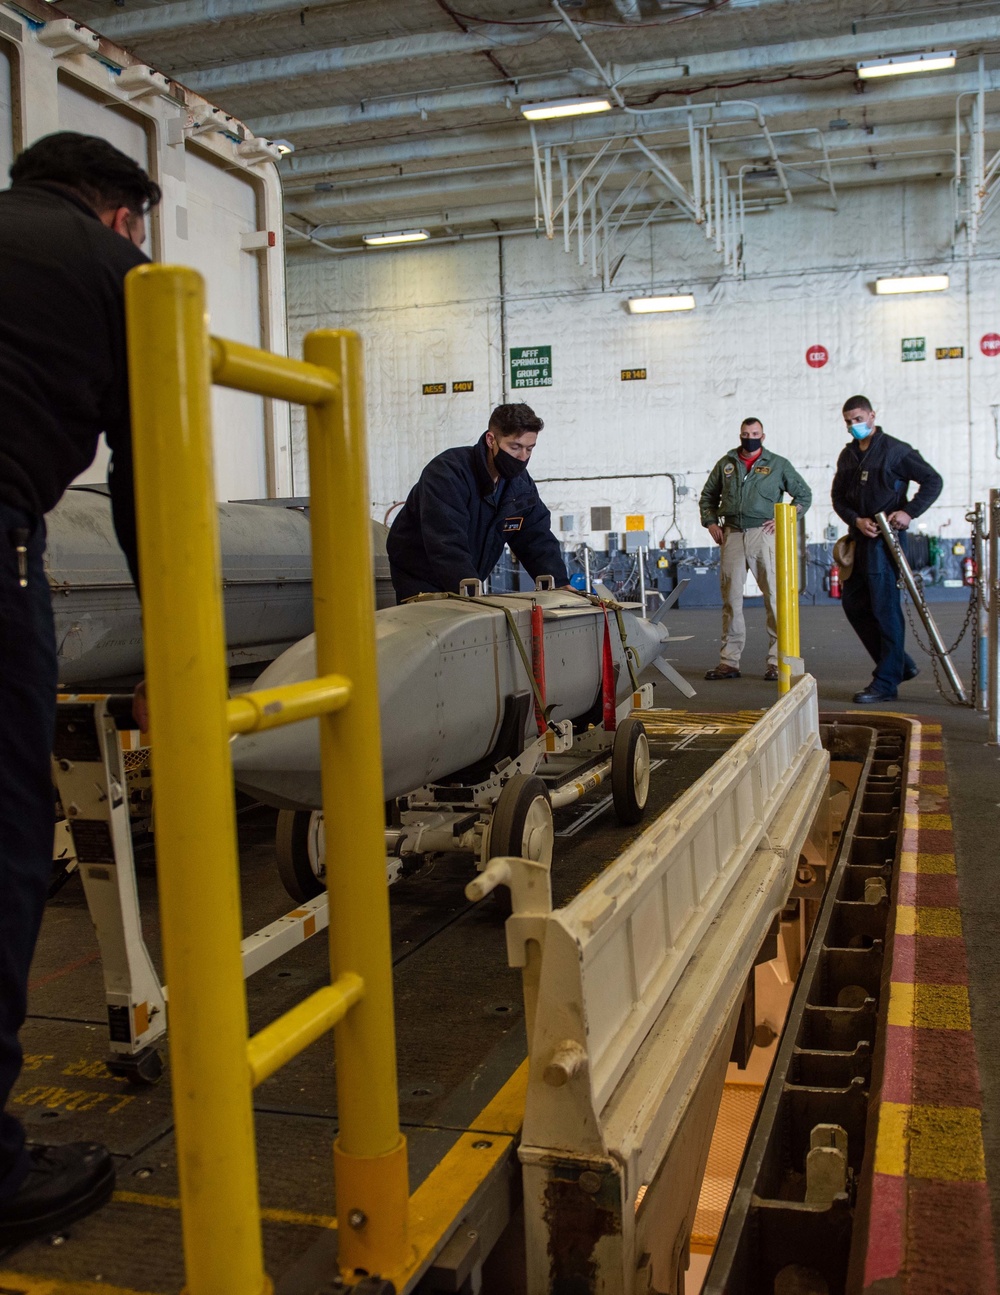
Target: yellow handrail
x,y
213,1064
787,577
251,712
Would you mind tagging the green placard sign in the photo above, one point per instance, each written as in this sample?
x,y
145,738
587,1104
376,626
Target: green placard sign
x,y
530,366
914,348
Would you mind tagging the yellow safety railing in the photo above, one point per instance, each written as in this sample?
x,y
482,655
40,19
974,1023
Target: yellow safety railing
x,y
786,522
214,1065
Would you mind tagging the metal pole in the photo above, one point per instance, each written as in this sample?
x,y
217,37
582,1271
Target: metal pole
x,y
904,570
197,865
642,578
981,554
370,1158
787,576
993,658
586,567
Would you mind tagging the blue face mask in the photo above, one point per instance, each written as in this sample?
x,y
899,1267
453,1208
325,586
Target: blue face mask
x,y
860,431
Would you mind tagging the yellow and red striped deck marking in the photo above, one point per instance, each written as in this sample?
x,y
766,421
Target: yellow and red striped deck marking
x,y
930,1225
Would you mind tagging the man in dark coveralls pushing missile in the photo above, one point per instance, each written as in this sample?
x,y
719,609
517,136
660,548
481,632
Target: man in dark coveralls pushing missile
x,y
468,503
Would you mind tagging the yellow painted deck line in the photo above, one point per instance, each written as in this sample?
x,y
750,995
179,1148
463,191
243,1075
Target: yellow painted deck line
x,y
940,1143
930,864
445,1192
929,1007
294,1217
505,1113
12,1283
924,920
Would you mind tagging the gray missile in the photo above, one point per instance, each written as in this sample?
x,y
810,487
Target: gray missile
x,y
454,692
266,584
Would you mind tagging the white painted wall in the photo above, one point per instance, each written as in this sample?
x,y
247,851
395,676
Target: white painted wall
x,y
432,314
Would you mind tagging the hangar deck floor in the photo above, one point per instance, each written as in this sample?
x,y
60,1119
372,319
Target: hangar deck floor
x,y
447,952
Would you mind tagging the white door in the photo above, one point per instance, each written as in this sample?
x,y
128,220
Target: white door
x,y
82,112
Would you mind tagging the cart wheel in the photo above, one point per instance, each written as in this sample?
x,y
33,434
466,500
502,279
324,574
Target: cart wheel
x,y
299,847
521,826
143,1069
630,770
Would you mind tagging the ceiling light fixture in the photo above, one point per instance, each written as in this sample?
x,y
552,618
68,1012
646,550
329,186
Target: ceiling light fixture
x,y
900,64
397,236
912,283
656,305
564,108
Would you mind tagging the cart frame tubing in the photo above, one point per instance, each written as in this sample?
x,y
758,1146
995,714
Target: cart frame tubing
x,y
787,576
213,1064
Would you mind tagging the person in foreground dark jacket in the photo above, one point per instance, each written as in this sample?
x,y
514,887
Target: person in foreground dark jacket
x,y
873,475
70,230
468,503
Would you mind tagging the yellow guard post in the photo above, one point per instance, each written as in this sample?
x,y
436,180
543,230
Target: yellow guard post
x,y
213,1066
787,575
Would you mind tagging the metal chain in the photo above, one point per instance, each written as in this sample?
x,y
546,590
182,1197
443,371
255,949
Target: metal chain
x,y
970,615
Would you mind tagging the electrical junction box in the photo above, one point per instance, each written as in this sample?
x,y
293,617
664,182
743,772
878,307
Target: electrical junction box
x,y
663,563
632,541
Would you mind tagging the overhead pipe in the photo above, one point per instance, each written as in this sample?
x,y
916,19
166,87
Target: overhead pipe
x,y
350,58
695,166
918,165
467,99
564,179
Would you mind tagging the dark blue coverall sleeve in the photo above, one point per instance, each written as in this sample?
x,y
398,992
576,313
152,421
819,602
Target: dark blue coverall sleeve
x,y
536,548
445,502
914,467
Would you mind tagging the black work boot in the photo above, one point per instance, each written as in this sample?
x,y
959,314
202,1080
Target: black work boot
x,y
63,1184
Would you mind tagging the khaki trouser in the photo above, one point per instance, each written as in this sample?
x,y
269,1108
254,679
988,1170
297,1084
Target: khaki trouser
x,y
744,551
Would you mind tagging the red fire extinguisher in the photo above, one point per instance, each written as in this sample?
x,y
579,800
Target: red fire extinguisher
x,y
969,571
835,581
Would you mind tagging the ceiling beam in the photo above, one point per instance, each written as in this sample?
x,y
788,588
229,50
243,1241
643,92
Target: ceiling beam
x,y
414,107
847,50
802,110
351,58
168,19
854,175
426,198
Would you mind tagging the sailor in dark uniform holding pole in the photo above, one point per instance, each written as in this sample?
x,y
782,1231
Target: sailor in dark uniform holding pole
x,y
873,476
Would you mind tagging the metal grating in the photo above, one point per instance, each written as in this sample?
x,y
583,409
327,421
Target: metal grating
x,y
732,1132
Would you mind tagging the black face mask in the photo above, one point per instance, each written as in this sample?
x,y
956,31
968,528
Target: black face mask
x,y
507,465
751,444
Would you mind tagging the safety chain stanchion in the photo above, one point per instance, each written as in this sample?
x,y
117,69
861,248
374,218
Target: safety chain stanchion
x,y
993,643
980,685
196,858
790,663
908,581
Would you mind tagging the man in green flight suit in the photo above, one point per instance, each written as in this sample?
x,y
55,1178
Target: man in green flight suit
x,y
737,506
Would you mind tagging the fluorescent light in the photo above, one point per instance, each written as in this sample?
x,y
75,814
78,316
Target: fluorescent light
x,y
914,283
900,64
563,108
399,236
653,305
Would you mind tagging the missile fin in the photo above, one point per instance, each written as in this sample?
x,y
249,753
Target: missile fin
x,y
669,601
678,680
603,592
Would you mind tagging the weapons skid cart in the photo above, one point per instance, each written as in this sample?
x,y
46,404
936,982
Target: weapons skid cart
x,y
541,736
